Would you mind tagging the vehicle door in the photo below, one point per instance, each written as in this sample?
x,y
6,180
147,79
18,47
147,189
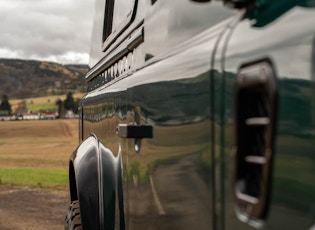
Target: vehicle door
x,y
268,112
170,140
116,32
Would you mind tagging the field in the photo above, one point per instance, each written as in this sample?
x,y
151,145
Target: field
x,y
41,103
34,159
36,152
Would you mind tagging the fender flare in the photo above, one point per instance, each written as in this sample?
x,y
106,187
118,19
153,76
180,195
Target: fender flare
x,y
95,180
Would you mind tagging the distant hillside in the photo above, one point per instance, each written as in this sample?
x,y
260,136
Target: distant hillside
x,y
21,78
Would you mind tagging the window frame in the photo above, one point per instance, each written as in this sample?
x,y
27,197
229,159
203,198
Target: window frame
x,y
110,33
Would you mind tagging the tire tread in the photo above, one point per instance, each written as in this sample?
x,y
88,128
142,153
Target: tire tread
x,y
73,218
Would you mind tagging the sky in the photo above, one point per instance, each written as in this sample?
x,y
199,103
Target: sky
x,y
49,30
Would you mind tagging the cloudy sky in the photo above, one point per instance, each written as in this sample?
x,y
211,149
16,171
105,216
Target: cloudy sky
x,y
52,30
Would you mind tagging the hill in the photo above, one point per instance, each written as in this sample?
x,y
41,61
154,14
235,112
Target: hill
x,y
28,78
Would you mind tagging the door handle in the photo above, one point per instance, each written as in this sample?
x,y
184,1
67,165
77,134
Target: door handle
x,y
135,131
253,151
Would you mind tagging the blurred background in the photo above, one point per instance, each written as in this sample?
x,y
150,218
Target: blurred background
x,y
44,56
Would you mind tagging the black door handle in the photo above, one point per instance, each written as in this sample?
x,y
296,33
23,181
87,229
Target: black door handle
x,y
135,131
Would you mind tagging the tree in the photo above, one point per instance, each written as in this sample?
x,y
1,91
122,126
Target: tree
x,y
5,105
69,102
59,103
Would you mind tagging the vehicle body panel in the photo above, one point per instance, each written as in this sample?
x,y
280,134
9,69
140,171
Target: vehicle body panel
x,y
288,41
173,66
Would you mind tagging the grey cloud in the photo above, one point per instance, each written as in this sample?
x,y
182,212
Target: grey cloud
x,y
46,29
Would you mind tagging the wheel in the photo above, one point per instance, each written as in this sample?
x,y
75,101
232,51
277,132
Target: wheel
x,y
73,218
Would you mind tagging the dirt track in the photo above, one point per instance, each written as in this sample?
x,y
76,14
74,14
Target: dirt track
x,y
32,208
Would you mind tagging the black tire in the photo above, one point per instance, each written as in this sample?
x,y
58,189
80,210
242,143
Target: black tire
x,y
73,218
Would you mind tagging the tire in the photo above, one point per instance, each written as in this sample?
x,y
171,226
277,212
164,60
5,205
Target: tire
x,y
73,218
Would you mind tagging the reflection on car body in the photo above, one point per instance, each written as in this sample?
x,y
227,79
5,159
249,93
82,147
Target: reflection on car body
x,y
198,114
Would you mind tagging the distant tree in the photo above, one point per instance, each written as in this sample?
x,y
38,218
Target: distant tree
x,y
69,102
5,105
59,103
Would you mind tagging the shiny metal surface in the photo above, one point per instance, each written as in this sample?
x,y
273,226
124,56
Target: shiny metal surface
x,y
287,38
167,181
95,180
85,187
178,78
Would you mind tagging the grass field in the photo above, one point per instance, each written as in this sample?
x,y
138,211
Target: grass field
x,y
36,152
41,103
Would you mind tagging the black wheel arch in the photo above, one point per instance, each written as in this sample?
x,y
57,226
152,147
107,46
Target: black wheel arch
x,y
94,182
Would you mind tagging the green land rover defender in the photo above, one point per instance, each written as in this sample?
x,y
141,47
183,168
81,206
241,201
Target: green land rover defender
x,y
198,114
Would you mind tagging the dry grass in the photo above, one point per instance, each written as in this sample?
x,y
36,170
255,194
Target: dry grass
x,y
37,145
